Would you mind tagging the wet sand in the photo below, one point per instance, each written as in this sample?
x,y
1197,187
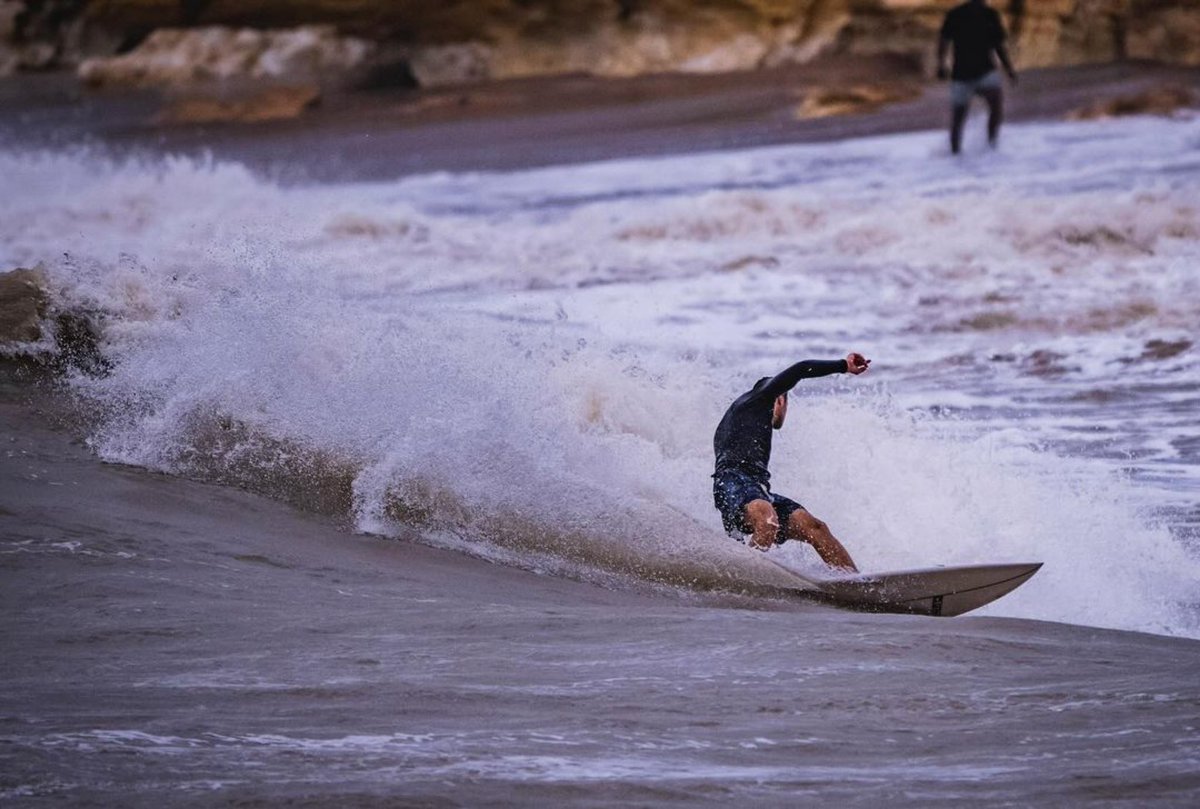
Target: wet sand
x,y
389,133
174,643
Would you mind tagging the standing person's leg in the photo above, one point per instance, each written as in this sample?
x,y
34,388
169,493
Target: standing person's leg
x,y
958,117
960,100
994,97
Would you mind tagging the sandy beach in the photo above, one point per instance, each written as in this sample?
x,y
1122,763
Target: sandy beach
x,y
518,124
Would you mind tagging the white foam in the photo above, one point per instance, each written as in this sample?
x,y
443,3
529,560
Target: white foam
x,y
447,333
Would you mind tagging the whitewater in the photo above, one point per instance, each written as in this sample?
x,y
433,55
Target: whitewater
x,y
529,366
398,491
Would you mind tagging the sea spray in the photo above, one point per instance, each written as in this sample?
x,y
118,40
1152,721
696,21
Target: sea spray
x,y
535,362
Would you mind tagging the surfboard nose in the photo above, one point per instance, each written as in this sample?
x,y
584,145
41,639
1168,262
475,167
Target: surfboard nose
x,y
941,591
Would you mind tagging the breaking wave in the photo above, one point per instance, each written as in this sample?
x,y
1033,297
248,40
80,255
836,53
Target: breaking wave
x,y
538,383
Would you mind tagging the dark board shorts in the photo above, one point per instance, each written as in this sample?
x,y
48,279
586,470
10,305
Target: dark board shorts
x,y
732,490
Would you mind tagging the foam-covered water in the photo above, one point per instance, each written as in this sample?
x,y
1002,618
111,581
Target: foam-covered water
x,y
531,365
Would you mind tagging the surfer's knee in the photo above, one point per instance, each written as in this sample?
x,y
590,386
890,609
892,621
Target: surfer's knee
x,y
760,513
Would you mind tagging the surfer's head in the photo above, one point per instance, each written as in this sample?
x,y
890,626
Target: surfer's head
x,y
779,409
779,413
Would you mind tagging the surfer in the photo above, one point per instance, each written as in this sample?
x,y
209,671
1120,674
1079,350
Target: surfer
x,y
976,32
741,482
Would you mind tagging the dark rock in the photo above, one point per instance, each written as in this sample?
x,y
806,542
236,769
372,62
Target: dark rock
x,y
1155,101
23,306
252,106
28,318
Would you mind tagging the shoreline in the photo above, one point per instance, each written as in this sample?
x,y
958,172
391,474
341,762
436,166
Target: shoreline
x,y
529,123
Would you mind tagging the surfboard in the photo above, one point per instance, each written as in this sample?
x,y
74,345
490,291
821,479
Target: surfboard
x,y
938,591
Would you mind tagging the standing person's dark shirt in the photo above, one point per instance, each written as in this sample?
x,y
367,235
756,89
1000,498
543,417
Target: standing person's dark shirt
x,y
743,438
976,31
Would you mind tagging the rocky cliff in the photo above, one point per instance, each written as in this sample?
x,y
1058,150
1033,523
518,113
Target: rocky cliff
x,y
466,40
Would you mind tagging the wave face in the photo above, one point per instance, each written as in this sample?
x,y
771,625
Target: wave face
x,y
530,366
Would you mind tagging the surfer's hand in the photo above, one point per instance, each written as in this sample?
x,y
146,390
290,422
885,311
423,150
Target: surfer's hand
x,y
766,546
856,363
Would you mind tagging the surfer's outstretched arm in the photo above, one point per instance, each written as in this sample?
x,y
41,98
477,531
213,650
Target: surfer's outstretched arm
x,y
781,383
784,381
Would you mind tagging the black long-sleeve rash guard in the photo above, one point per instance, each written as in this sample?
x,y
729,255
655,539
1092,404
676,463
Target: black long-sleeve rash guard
x,y
743,438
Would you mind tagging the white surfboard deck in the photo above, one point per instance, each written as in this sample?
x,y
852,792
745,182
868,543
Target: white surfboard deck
x,y
940,591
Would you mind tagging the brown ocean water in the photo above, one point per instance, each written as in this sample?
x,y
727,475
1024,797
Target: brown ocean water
x,y
397,491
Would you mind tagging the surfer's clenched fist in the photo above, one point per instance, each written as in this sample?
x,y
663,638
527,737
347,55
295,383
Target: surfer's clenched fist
x,y
856,363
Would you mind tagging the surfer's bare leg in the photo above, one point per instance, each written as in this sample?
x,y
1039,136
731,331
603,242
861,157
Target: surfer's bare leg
x,y
805,527
764,522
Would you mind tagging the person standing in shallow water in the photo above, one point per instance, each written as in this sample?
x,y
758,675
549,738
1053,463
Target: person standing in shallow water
x,y
976,33
741,482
